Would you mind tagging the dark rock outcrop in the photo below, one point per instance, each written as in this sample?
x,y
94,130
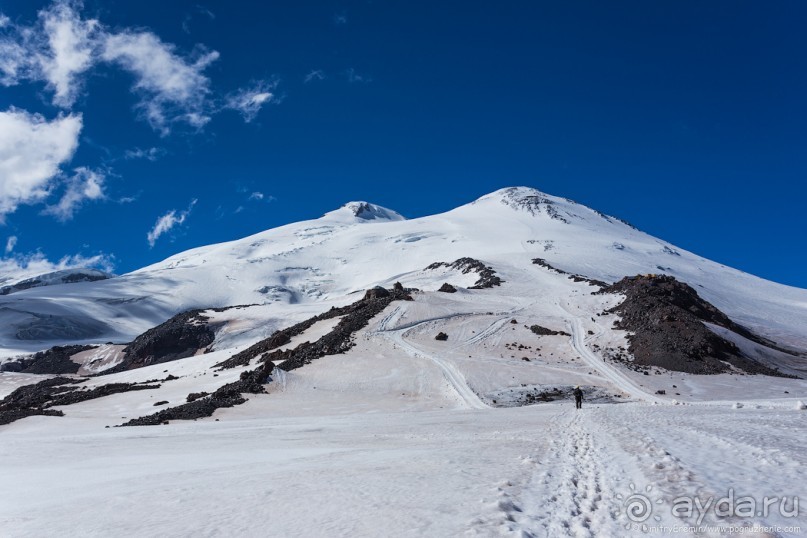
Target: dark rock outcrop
x,y
665,319
37,399
441,336
338,340
377,293
575,277
447,288
55,360
543,331
181,336
487,276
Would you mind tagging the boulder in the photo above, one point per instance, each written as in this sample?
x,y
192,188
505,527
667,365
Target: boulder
x,y
447,288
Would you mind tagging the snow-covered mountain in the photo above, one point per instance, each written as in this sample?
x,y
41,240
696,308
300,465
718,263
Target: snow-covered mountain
x,y
324,261
361,374
64,276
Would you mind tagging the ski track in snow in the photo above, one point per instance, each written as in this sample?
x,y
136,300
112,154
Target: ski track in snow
x,y
451,373
620,380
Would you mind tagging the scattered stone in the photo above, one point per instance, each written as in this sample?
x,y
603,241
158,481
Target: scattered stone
x,y
161,402
441,336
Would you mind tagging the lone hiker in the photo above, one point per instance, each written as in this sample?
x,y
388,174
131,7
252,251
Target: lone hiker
x,y
578,397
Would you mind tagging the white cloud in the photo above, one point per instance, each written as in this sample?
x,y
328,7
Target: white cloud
x,y
171,88
248,101
167,222
14,62
315,74
261,197
11,242
71,44
59,48
21,266
85,184
31,151
150,154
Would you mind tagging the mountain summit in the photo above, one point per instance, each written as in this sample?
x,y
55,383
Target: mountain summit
x,y
363,211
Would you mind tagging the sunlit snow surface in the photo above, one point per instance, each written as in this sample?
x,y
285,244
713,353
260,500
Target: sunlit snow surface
x,y
405,435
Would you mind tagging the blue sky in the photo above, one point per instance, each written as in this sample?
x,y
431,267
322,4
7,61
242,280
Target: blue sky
x,y
130,131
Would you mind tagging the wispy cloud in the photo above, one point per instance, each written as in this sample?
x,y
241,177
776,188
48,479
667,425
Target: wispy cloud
x,y
314,75
355,77
11,242
57,49
172,89
248,101
84,185
340,18
258,196
32,150
167,222
205,11
149,154
71,44
61,47
186,21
